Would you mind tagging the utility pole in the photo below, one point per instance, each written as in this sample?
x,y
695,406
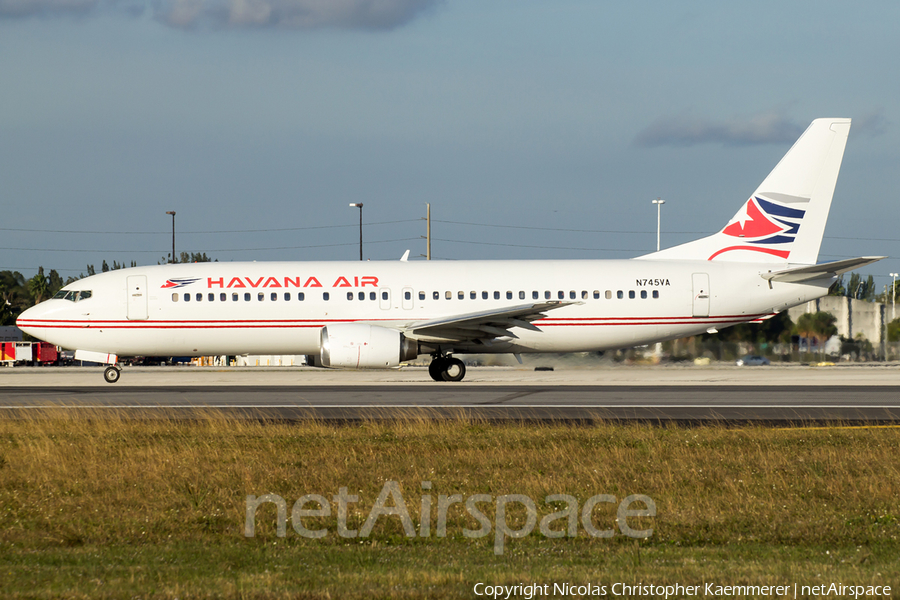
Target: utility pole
x,y
658,204
359,205
172,212
894,295
428,231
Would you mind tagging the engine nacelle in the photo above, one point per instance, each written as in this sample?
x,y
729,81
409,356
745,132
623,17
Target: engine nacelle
x,y
359,346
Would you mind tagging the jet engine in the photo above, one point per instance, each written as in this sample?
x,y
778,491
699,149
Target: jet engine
x,y
359,346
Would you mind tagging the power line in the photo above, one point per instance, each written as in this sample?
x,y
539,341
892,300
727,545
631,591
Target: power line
x,y
563,229
107,251
539,247
204,232
313,246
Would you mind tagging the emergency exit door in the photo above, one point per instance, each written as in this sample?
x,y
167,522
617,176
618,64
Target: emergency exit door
x,y
701,294
137,298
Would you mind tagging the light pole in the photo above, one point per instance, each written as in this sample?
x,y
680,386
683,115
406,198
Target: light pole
x,y
658,204
894,295
359,205
172,212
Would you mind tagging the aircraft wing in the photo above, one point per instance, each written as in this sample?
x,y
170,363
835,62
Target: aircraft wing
x,y
830,269
484,325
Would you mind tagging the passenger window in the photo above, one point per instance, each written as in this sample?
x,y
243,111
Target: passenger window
x,y
234,297
521,295
187,297
643,294
211,297
572,295
301,296
199,297
260,296
436,295
547,295
349,295
421,295
448,295
596,294
372,295
656,293
274,296
608,294
561,294
631,294
620,294
509,295
535,295
473,295
175,297
461,295
484,295
361,295
326,296
247,297
223,297
496,295
384,295
407,295
287,296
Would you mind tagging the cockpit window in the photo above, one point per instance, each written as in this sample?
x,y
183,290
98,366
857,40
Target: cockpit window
x,y
72,295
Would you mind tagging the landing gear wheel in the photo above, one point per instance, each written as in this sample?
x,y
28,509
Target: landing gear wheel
x,y
454,370
436,368
111,374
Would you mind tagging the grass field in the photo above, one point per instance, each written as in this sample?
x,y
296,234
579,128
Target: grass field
x,y
110,508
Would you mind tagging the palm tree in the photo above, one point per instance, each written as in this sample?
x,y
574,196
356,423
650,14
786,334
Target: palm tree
x,y
39,286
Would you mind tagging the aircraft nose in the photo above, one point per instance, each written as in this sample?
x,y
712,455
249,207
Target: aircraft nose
x,y
29,318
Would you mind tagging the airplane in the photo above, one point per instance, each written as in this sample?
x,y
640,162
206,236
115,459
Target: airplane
x,y
376,315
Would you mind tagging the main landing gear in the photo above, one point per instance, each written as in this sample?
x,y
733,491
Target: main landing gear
x,y
447,368
112,373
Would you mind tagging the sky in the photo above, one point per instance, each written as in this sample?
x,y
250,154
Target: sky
x,y
534,129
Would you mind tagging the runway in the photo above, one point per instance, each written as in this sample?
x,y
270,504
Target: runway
x,y
764,404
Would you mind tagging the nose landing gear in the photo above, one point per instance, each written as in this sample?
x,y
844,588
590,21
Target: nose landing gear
x,y
112,373
447,368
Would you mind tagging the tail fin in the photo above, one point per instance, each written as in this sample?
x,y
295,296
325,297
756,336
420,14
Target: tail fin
x,y
784,220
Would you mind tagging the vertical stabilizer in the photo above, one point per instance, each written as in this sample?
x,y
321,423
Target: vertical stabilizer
x,y
784,220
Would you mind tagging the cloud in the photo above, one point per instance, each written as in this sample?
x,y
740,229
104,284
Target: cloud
x,y
686,130
221,14
871,124
291,14
25,8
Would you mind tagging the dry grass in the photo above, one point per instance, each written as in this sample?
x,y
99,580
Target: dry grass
x,y
110,507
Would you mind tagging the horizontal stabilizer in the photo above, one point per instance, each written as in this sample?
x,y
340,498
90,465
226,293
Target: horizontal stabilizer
x,y
831,269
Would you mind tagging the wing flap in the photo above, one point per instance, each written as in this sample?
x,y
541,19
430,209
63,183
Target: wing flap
x,y
488,324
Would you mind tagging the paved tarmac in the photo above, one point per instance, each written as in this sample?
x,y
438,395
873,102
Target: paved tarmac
x,y
778,395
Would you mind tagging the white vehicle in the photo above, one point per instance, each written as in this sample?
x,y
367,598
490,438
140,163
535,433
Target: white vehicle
x,y
375,315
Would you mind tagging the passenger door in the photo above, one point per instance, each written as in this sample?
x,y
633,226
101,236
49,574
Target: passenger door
x,y
137,298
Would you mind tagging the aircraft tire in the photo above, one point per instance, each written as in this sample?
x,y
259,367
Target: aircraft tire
x,y
436,368
454,370
111,374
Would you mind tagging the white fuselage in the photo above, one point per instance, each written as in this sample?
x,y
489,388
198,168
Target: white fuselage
x,y
255,308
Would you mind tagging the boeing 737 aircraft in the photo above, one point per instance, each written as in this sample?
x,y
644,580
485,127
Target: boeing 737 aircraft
x,y
375,315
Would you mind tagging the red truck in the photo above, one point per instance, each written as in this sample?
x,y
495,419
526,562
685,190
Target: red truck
x,y
32,353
